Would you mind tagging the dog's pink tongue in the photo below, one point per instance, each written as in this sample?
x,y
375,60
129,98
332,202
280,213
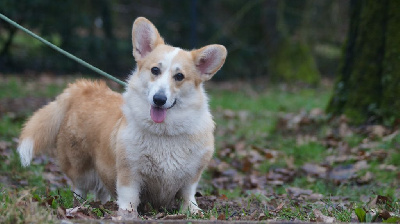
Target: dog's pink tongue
x,y
158,114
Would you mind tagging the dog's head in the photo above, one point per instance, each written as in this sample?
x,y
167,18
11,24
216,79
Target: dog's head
x,y
167,77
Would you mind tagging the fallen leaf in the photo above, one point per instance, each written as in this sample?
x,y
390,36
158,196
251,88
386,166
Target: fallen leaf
x,y
296,192
290,162
376,131
246,165
229,114
379,200
174,217
111,205
391,136
323,218
315,197
253,215
261,217
367,178
316,112
344,130
4,145
61,213
279,208
160,215
314,170
384,214
223,197
221,217
387,167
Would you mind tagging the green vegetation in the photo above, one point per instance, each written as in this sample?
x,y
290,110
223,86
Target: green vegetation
x,y
272,131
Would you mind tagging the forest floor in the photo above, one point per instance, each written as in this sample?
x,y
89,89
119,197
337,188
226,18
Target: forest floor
x,y
278,157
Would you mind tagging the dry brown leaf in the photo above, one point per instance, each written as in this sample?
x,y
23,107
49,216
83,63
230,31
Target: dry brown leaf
x,y
61,213
240,146
261,217
229,114
339,159
315,197
246,165
223,197
387,167
376,131
111,205
378,200
289,160
4,145
160,215
344,130
275,182
361,165
279,208
295,191
367,178
391,136
174,217
384,214
323,218
221,217
316,112
314,170
76,212
253,215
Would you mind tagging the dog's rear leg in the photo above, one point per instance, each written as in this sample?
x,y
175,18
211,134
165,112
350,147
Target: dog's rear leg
x,y
102,195
79,196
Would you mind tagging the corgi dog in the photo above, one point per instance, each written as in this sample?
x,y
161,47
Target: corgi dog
x,y
148,145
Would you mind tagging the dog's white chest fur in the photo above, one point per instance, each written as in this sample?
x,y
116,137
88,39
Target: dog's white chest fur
x,y
163,164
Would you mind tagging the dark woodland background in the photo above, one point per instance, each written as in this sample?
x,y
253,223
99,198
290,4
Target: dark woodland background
x,y
292,41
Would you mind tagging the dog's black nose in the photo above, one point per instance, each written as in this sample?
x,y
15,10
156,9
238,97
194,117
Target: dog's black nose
x,y
159,99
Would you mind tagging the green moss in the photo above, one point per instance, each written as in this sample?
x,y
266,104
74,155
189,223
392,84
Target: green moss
x,y
390,106
368,86
364,81
294,62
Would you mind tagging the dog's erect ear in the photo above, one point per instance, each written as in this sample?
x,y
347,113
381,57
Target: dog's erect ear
x,y
145,38
209,60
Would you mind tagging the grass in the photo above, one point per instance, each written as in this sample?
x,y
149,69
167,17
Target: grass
x,y
250,115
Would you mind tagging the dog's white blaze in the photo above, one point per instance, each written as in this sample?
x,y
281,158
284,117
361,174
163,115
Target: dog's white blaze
x,y
25,150
163,81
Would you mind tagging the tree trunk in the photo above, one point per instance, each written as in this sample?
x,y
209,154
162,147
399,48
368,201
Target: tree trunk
x,y
368,85
5,51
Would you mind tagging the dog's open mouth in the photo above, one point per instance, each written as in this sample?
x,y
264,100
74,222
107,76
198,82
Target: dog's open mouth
x,y
158,114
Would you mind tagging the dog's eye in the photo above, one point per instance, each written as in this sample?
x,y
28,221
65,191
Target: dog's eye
x,y
155,71
179,77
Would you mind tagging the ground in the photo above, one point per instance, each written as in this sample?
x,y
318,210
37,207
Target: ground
x,y
278,157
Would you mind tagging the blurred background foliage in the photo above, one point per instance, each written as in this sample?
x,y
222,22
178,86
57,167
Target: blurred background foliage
x,y
283,40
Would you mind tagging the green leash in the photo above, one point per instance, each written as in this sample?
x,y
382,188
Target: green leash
x,y
80,61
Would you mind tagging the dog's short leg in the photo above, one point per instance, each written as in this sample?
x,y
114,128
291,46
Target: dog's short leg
x,y
128,200
102,195
79,196
189,202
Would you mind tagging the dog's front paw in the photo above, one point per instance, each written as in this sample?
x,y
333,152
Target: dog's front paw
x,y
124,214
192,208
196,211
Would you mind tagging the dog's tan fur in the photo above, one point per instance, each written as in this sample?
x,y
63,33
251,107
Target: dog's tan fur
x,y
106,142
